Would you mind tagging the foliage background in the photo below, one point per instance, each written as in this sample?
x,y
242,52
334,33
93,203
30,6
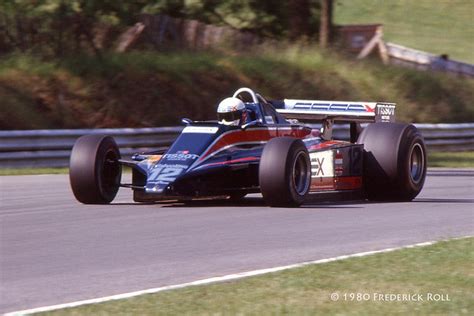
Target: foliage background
x,y
58,68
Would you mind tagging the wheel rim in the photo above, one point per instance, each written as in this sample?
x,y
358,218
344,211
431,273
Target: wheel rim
x,y
111,172
301,173
417,163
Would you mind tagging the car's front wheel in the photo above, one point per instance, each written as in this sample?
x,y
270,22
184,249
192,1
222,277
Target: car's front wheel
x,y
94,169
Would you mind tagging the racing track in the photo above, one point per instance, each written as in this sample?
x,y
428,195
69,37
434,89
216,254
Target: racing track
x,y
54,250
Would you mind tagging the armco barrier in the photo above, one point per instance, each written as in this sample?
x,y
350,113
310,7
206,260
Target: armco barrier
x,y
410,57
51,148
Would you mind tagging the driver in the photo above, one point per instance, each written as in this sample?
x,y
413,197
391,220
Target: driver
x,y
231,112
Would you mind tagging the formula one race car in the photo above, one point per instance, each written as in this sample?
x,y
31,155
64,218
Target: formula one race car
x,y
266,151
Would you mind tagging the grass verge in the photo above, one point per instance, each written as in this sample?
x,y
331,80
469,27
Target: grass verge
x,y
30,171
141,89
438,27
445,268
451,159
33,171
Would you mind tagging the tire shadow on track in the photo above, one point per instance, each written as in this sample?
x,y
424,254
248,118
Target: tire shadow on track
x,y
259,202
248,201
256,202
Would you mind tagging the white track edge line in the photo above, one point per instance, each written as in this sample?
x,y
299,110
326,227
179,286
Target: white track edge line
x,y
228,277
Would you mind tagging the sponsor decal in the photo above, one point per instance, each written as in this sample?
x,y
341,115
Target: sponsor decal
x,y
369,108
149,160
321,164
200,129
154,158
385,110
318,163
182,155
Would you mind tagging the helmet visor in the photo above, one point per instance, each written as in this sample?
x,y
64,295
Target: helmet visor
x,y
229,116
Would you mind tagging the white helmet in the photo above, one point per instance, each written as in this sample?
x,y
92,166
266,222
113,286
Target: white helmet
x,y
230,111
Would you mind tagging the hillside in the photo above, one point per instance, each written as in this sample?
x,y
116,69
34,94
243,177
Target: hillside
x,y
439,27
157,89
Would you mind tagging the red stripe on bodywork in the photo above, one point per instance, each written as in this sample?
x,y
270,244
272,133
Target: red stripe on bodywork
x,y
326,144
348,183
322,184
335,183
260,135
297,132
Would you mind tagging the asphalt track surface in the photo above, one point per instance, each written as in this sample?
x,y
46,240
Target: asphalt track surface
x,y
54,250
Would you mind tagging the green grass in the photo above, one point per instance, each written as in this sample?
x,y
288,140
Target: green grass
x,y
451,159
139,89
31,171
439,27
444,268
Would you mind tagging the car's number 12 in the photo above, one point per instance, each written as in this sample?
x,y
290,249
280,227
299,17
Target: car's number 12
x,y
166,174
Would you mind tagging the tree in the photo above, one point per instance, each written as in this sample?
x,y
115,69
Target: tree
x,y
299,15
272,18
325,28
61,27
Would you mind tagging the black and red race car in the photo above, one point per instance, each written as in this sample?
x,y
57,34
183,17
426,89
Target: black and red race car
x,y
290,163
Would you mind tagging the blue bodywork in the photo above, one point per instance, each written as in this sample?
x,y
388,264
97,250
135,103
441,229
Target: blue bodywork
x,y
204,162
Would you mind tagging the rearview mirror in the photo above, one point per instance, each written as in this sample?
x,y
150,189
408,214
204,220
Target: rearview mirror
x,y
186,121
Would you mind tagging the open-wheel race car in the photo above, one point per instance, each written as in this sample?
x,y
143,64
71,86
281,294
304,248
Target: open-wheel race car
x,y
259,146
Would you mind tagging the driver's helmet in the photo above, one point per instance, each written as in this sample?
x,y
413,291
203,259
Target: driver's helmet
x,y
231,111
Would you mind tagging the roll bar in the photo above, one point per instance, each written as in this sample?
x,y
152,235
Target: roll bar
x,y
249,91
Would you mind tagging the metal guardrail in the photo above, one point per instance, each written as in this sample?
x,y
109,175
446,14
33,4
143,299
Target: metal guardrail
x,y
426,61
52,148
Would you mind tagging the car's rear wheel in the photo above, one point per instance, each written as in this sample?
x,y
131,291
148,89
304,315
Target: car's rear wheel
x,y
94,169
284,172
394,161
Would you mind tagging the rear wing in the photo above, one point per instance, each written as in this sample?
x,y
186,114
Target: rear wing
x,y
341,111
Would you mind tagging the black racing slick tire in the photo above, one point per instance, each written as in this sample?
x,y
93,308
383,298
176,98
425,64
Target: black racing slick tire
x,y
284,172
394,161
94,169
